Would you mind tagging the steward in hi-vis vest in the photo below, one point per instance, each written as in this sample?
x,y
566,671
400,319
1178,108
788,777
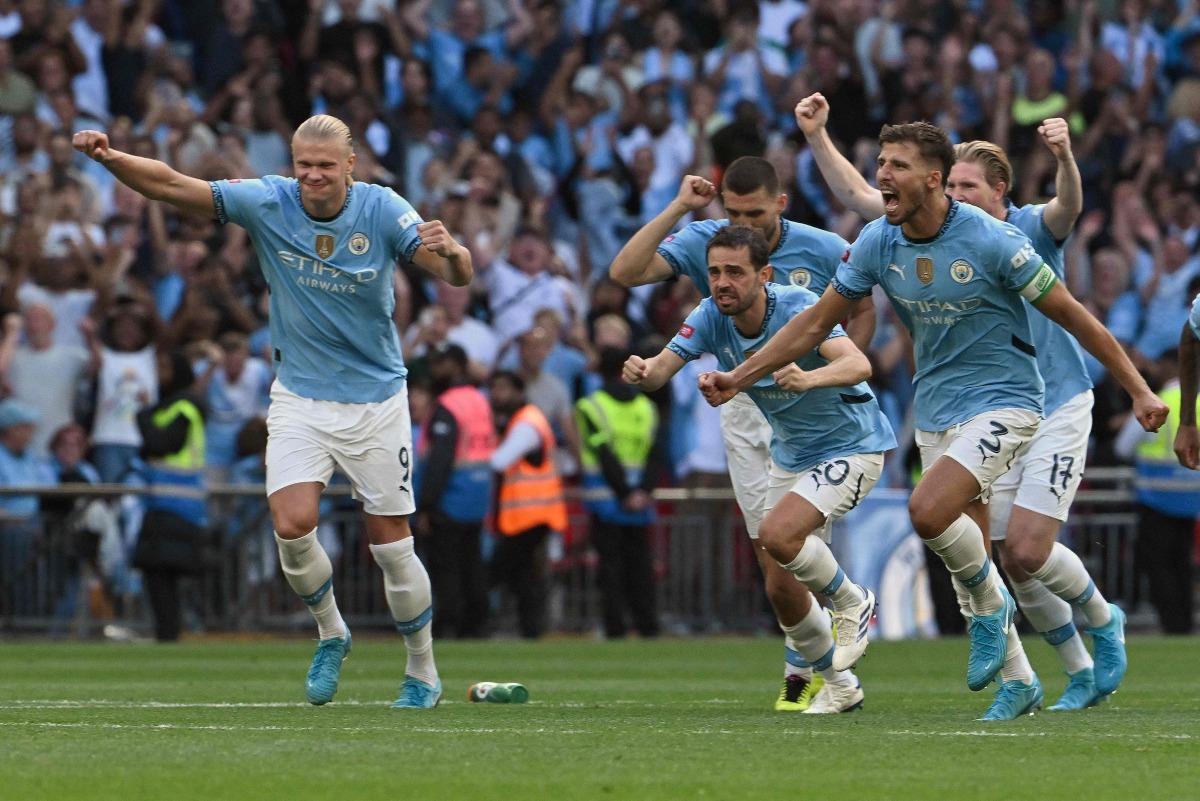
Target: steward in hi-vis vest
x,y
173,538
530,505
454,495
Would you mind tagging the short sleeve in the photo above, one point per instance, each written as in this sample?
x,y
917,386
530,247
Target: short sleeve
x,y
403,234
858,273
685,252
1020,267
239,200
692,340
1194,318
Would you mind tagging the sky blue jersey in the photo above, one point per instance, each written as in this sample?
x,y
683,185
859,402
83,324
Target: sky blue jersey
x,y
1059,356
960,294
331,284
1194,317
808,427
805,256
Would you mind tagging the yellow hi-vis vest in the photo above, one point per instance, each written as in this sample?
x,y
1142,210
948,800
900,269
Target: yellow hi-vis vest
x,y
1162,483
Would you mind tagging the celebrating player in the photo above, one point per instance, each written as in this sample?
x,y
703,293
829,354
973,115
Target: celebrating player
x,y
328,247
801,256
956,277
1030,501
827,444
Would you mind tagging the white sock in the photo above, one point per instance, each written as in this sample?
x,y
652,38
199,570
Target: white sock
x,y
406,585
1016,665
309,572
794,663
816,568
813,638
1065,576
963,596
961,548
1051,617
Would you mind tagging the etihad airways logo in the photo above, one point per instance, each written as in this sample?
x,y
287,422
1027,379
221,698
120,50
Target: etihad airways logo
x,y
938,312
319,275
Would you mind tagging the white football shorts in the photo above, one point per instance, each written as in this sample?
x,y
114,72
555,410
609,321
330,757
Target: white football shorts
x,y
833,487
747,437
370,442
987,445
1046,476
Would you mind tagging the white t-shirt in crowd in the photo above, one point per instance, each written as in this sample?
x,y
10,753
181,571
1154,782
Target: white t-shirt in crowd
x,y
126,382
69,308
47,381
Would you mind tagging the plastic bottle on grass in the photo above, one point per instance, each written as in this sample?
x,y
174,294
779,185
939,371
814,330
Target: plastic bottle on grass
x,y
498,692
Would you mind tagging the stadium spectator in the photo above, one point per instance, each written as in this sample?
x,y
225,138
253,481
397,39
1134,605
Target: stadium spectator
x,y
454,495
619,428
125,382
45,375
530,504
235,387
19,521
172,540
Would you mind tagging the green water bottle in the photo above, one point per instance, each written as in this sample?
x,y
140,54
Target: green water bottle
x,y
498,693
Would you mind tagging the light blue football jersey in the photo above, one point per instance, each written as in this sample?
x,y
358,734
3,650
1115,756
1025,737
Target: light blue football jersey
x,y
1194,317
805,256
1059,356
331,284
808,427
960,294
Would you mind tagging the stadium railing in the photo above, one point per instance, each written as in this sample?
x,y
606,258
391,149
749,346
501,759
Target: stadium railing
x,y
59,575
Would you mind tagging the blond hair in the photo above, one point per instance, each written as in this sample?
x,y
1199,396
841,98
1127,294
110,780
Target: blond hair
x,y
991,158
326,128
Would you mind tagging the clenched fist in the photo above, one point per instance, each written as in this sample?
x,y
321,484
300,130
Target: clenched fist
x,y
93,144
635,370
436,239
695,192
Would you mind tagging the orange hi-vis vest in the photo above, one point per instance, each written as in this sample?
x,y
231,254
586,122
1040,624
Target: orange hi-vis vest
x,y
468,493
531,496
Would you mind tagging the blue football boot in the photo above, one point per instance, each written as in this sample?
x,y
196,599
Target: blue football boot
x,y
989,643
1081,692
1014,699
326,667
1108,646
416,694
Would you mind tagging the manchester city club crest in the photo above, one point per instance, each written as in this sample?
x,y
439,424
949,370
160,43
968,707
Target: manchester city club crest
x,y
800,277
359,244
925,269
962,271
324,245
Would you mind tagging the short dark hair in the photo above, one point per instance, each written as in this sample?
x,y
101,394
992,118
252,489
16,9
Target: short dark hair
x,y
931,141
512,378
748,174
743,236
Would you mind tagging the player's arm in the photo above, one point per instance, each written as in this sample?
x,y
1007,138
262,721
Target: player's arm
x,y
847,183
1059,305
148,177
651,374
801,334
1061,212
1187,439
442,256
861,325
639,262
847,367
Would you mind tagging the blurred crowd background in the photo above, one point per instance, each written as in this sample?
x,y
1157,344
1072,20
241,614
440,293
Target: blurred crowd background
x,y
543,133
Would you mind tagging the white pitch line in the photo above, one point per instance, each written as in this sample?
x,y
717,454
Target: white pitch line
x,y
205,727
102,703
1085,735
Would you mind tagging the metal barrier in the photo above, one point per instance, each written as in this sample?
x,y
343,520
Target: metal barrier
x,y
708,577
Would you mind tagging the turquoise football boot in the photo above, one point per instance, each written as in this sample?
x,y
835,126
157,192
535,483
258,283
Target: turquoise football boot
x,y
326,667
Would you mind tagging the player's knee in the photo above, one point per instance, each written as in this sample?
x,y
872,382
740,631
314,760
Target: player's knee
x,y
927,518
1027,553
773,535
293,523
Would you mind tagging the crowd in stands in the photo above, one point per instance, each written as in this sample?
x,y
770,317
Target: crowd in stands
x,y
543,133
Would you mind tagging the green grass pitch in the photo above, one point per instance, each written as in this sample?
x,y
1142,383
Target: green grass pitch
x,y
670,719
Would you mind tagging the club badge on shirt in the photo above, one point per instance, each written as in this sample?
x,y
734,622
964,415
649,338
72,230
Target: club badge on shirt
x,y
324,245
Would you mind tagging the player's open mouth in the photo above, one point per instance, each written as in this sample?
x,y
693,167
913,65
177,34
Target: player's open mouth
x,y
891,201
